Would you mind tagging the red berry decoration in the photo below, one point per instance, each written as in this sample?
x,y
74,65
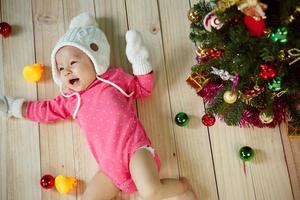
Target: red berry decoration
x,y
267,72
256,26
208,120
47,181
257,90
5,29
214,53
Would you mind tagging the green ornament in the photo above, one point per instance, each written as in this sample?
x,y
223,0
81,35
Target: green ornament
x,y
182,119
246,153
280,35
275,84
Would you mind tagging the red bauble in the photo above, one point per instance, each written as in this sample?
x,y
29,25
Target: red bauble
x,y
5,29
208,120
255,26
47,181
267,72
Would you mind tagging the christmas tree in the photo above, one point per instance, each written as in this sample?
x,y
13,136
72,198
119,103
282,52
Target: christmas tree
x,y
248,60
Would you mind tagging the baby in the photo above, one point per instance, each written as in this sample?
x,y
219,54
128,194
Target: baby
x,y
101,100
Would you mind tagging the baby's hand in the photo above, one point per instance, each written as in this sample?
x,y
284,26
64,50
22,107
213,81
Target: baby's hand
x,y
11,107
137,53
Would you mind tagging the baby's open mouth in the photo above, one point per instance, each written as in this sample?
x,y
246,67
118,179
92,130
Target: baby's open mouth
x,y
73,81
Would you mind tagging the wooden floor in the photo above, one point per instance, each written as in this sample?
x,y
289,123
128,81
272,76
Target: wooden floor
x,y
209,157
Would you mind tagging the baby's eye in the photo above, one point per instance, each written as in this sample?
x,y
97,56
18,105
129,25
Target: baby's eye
x,y
73,62
60,68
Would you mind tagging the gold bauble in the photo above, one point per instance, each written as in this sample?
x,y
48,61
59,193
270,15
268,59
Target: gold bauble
x,y
266,118
193,15
230,98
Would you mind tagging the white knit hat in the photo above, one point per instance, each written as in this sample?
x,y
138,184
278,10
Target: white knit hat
x,y
84,34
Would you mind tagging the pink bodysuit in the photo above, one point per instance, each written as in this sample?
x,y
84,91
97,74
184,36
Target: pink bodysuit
x,y
108,119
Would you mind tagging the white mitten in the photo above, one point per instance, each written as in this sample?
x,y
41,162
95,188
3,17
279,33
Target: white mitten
x,y
11,107
137,53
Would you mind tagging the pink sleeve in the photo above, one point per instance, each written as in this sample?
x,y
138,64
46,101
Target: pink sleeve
x,y
141,85
48,110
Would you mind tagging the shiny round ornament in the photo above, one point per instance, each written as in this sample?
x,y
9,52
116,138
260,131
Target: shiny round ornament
x,y
182,119
275,84
215,23
211,21
246,153
193,16
47,181
208,120
5,29
230,98
266,118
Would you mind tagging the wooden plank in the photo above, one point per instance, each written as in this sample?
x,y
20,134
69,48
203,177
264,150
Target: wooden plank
x,y
192,142
56,139
85,165
3,128
233,183
269,170
265,178
111,16
155,111
20,163
69,142
292,151
63,146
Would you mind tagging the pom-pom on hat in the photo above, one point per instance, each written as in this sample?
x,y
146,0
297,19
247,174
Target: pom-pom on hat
x,y
84,34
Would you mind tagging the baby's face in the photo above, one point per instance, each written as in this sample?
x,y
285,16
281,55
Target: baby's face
x,y
76,69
